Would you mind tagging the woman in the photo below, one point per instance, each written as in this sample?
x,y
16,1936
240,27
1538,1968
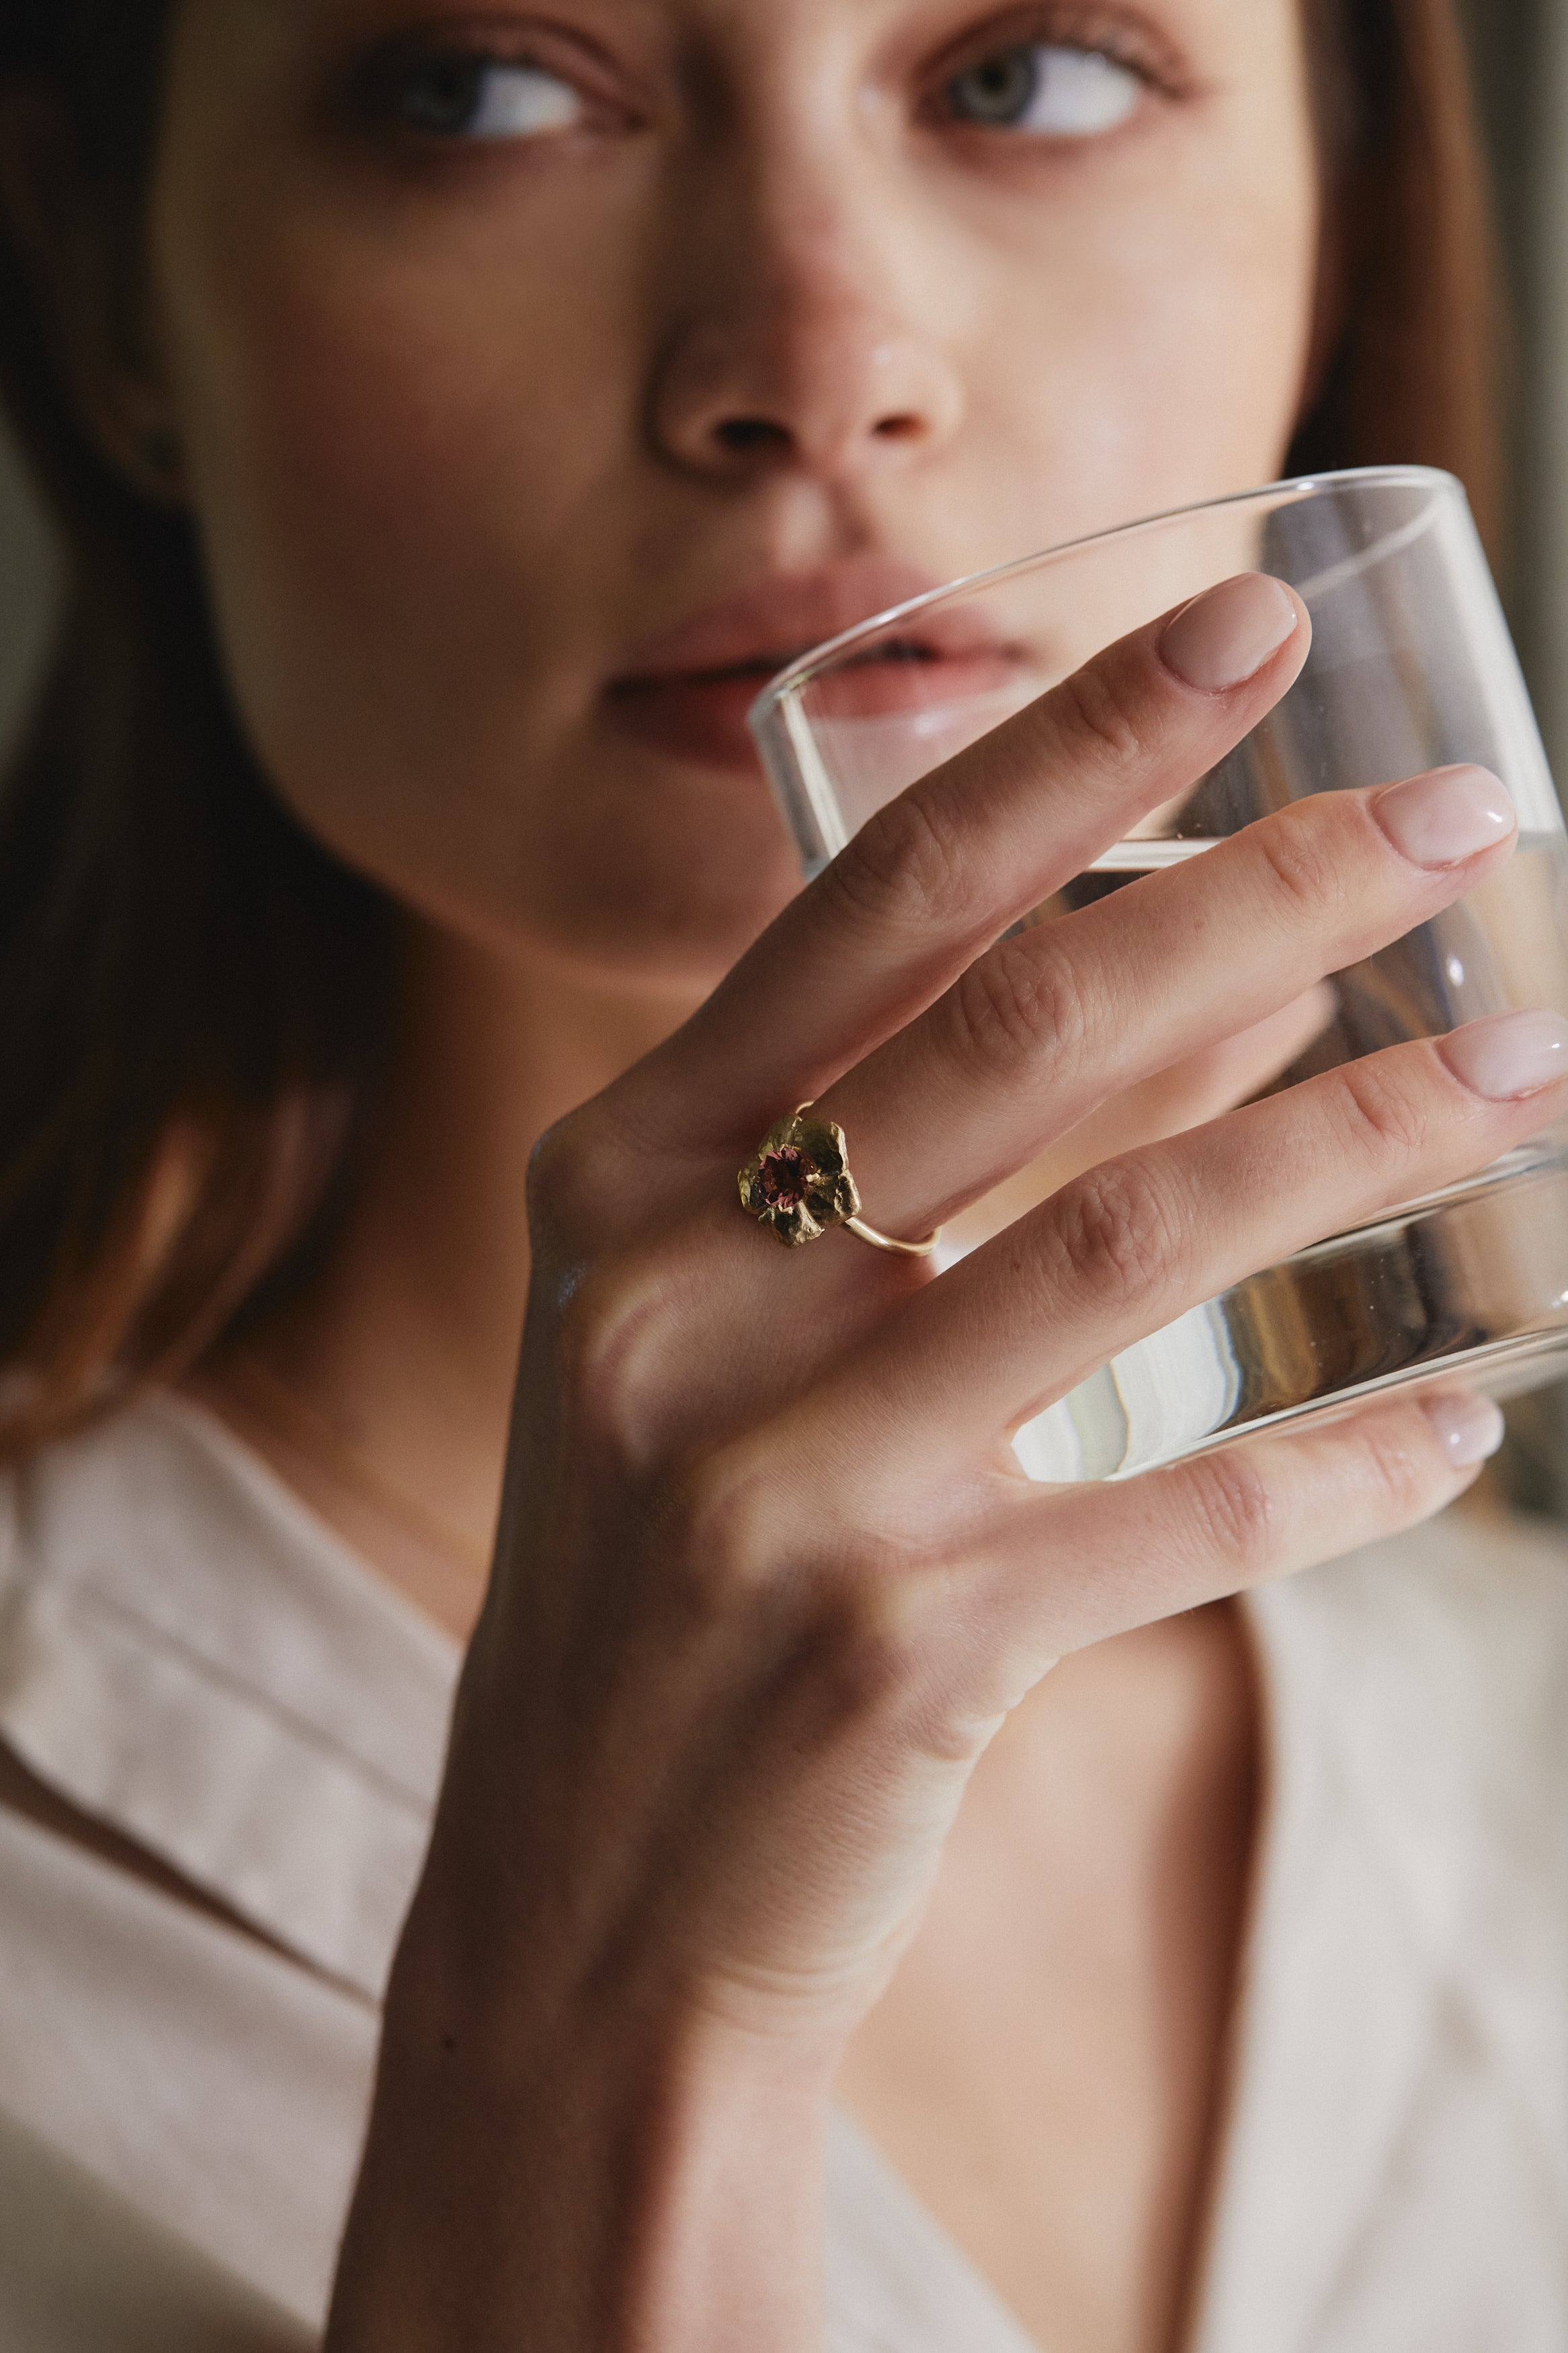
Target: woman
x,y
455,415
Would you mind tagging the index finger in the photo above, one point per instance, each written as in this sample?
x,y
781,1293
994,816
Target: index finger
x,y
937,875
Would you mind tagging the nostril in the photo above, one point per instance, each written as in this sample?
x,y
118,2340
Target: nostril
x,y
899,428
743,434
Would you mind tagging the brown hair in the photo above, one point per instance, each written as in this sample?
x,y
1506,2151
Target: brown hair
x,y
196,997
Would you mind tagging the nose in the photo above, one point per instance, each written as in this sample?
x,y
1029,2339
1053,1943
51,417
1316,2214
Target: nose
x,y
797,355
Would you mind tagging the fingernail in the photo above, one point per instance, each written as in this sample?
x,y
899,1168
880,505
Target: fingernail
x,y
1446,817
1469,1428
1512,1055
1225,636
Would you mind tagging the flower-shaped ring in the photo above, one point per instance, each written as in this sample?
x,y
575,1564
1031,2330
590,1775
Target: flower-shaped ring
x,y
799,1184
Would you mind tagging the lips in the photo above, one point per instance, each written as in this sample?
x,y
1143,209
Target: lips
x,y
686,692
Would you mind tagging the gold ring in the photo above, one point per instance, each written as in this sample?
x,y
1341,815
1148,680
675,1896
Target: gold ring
x,y
799,1184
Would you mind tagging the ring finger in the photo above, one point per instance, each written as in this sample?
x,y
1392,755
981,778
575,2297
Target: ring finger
x,y
1127,1249
1047,1024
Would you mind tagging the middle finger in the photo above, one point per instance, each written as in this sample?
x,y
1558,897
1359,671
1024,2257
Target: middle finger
x,y
1046,1025
1126,1250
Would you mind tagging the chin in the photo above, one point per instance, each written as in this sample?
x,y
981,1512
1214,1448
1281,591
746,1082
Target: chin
x,y
675,942
662,925
649,865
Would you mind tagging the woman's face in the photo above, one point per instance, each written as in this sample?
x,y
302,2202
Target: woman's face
x,y
547,376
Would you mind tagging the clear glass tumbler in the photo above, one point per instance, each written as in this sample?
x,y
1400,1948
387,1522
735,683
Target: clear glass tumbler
x,y
1411,668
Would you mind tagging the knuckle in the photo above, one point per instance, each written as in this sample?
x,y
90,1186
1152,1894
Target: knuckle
x,y
1021,998
1236,1512
1299,860
716,1515
865,1653
609,1353
1096,712
836,1627
557,1167
1383,1110
1396,1451
576,1194
1117,1229
906,866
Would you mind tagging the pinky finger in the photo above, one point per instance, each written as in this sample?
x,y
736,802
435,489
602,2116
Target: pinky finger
x,y
1124,1555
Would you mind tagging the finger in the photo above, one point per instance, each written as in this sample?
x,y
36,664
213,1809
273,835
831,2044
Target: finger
x,y
935,876
1125,1554
1047,1024
1201,1088
1125,1249
1205,1084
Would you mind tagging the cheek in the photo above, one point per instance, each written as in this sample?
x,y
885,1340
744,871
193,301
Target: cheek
x,y
376,468
1222,349
1158,358
416,490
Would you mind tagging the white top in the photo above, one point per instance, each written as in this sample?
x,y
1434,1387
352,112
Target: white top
x,y
189,1655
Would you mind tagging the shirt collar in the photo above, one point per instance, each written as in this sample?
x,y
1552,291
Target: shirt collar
x,y
190,1656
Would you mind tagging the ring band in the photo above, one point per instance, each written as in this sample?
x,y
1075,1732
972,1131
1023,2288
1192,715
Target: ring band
x,y
798,1182
863,1232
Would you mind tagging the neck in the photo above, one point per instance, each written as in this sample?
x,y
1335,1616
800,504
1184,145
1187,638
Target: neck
x,y
404,1346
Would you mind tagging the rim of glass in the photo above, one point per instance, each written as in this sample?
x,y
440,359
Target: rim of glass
x,y
1290,493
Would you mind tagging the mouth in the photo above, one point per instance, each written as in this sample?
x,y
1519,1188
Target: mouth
x,y
686,693
698,717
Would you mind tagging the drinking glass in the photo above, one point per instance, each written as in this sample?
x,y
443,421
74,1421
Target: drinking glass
x,y
1411,668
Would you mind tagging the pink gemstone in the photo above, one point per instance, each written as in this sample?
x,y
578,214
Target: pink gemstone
x,y
783,1177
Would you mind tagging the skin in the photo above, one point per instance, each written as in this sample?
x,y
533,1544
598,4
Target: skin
x,y
386,455
460,431
386,450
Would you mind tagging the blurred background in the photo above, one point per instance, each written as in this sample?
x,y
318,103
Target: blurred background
x,y
1520,52
1521,49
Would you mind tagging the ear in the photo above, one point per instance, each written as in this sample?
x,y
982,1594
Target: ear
x,y
81,246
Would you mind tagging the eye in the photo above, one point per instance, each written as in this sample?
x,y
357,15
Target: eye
x,y
483,97
1052,91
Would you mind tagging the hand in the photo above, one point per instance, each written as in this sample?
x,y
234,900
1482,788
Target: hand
x,y
769,1577
1210,1082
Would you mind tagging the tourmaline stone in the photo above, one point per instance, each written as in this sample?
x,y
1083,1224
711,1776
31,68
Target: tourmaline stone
x,y
783,1178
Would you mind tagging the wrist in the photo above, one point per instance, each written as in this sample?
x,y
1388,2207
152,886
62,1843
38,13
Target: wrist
x,y
592,2169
